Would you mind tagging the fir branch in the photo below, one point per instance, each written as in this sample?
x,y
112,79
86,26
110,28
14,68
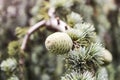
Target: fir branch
x,y
84,58
78,76
102,74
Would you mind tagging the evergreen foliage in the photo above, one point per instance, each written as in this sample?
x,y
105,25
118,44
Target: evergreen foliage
x,y
81,51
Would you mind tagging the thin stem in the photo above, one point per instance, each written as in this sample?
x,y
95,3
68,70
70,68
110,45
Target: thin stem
x,y
30,31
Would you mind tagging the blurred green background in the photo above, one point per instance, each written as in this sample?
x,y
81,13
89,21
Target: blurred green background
x,y
103,14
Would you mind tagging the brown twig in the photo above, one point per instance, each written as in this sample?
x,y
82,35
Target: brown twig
x,y
53,23
30,31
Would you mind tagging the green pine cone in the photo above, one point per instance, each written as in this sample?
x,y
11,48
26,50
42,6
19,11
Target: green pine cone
x,y
106,57
74,34
58,43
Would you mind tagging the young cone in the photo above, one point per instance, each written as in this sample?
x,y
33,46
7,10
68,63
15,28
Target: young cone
x,y
106,57
58,43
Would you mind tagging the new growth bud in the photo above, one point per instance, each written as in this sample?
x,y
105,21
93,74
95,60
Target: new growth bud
x,y
73,33
8,65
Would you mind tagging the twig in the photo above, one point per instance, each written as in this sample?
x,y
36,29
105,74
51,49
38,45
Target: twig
x,y
53,23
30,31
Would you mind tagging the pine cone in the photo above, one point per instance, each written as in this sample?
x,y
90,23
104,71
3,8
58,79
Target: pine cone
x,y
106,57
59,43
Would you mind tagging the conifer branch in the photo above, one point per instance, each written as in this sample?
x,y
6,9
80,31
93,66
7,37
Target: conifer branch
x,y
53,23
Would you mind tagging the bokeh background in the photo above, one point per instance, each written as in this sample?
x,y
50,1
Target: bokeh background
x,y
104,14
